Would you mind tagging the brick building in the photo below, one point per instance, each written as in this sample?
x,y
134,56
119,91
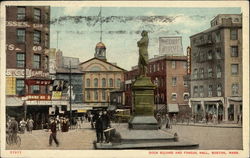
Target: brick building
x,y
216,80
100,77
169,74
27,62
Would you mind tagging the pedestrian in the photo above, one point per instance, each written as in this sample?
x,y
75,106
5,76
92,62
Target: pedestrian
x,y
53,132
30,125
22,126
13,128
214,118
99,128
168,125
158,118
174,119
78,122
106,125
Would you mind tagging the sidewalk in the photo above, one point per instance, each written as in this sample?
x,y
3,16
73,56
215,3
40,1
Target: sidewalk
x,y
221,125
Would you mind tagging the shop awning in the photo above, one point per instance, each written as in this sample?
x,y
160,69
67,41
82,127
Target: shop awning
x,y
173,108
111,108
14,101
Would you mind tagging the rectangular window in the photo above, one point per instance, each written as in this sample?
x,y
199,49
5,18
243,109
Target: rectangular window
x,y
218,53
36,61
20,13
46,18
46,42
174,96
173,64
35,89
209,55
20,87
210,90
174,80
201,73
195,91
201,91
37,37
218,71
37,15
20,60
217,36
46,63
234,69
20,35
219,89
233,34
210,72
195,73
185,96
234,51
103,95
96,95
185,83
88,95
235,89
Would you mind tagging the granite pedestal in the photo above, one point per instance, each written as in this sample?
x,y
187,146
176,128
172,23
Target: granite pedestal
x,y
142,131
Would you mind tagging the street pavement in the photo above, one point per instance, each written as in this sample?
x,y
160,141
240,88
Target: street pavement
x,y
82,139
75,139
210,138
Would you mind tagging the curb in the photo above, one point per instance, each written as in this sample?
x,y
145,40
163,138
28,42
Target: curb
x,y
199,125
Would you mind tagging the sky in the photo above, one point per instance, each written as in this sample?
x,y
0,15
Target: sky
x,y
79,29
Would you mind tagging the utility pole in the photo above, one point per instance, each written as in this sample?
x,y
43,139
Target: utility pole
x,y
24,76
57,39
70,94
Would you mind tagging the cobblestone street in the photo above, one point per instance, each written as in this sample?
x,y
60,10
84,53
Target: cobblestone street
x,y
82,139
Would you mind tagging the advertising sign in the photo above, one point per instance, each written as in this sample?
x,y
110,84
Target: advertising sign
x,y
10,85
170,46
56,95
188,60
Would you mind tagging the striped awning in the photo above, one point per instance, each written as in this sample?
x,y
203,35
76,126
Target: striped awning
x,y
14,101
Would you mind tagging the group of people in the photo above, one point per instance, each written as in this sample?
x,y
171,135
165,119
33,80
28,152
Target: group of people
x,y
22,126
101,123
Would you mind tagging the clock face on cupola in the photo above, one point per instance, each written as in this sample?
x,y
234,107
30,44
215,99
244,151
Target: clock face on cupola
x,y
100,51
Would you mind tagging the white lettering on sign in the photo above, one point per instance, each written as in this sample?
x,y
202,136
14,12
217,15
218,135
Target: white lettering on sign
x,y
11,47
37,25
37,48
17,24
29,73
170,45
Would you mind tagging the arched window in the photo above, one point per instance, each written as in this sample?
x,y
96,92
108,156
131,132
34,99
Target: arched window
x,y
111,82
103,95
96,95
95,82
88,95
88,82
103,82
118,83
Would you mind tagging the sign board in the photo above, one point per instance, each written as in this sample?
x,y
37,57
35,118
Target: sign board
x,y
170,46
10,86
29,73
38,97
188,60
56,95
69,60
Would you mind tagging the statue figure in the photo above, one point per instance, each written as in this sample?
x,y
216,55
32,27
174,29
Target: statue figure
x,y
143,53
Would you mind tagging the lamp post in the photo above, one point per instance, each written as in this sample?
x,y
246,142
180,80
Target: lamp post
x,y
156,83
70,94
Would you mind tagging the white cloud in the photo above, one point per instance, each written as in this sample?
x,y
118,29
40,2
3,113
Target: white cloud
x,y
182,19
71,10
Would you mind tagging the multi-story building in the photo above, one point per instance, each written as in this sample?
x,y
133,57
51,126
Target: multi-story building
x,y
216,76
100,78
169,74
27,62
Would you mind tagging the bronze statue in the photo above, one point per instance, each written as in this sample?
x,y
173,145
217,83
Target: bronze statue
x,y
143,53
